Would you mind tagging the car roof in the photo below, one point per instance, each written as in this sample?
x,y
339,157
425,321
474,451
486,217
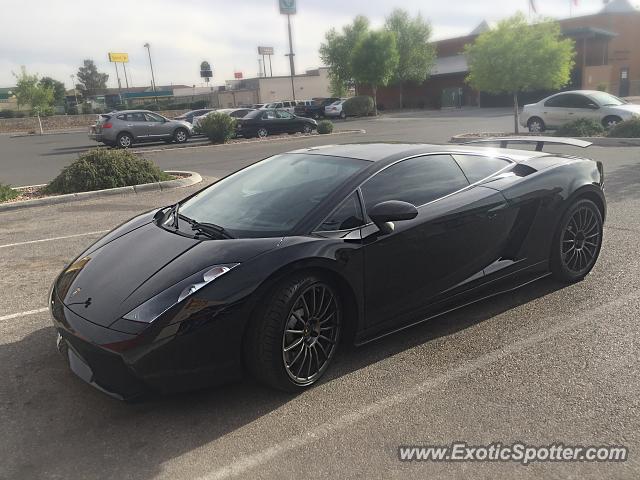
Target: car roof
x,y
375,152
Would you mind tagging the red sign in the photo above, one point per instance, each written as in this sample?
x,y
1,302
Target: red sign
x,y
237,75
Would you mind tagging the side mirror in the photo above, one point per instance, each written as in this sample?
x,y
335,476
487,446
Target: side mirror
x,y
385,213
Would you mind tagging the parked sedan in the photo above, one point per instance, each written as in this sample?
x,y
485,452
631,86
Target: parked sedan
x,y
335,109
316,109
232,112
123,129
263,122
189,116
556,110
268,270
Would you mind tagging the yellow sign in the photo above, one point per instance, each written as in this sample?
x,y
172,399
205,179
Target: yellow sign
x,y
119,57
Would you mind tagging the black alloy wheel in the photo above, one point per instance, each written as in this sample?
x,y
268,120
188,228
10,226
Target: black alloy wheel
x,y
577,242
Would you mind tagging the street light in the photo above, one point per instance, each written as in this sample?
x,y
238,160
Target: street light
x,y
153,78
75,92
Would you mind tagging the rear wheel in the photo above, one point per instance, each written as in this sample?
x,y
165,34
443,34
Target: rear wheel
x,y
125,140
180,135
343,115
577,242
535,125
262,132
292,340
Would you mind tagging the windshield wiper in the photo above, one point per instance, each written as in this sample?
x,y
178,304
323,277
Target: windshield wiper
x,y
211,230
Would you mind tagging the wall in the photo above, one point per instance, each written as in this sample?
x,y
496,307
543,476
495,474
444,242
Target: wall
x,y
306,87
596,75
234,98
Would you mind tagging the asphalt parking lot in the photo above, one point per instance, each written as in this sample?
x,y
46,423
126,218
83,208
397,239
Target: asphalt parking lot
x,y
547,363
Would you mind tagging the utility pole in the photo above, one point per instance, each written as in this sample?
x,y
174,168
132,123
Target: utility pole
x,y
290,55
119,83
75,91
153,78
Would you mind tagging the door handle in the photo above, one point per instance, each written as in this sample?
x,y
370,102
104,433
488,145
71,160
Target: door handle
x,y
129,125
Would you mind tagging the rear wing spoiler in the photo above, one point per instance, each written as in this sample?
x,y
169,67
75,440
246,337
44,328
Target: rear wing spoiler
x,y
539,141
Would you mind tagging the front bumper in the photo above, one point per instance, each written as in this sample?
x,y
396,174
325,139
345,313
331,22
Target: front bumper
x,y
167,357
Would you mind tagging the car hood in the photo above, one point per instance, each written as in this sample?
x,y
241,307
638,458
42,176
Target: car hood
x,y
138,261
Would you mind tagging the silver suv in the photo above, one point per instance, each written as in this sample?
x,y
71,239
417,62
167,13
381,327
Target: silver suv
x,y
123,129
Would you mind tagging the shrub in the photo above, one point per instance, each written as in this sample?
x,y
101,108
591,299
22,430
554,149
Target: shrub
x,y
7,193
101,168
325,126
358,106
218,127
580,127
626,129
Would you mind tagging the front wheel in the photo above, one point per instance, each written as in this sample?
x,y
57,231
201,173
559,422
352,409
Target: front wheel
x,y
180,135
307,129
577,242
292,340
535,125
611,121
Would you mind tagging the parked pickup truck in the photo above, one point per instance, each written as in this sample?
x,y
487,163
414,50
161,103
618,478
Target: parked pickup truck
x,y
315,110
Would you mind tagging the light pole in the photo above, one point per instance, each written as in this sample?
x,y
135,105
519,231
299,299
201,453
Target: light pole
x,y
75,92
153,78
290,55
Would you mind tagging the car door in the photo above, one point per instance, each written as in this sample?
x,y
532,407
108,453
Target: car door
x,y
136,124
555,110
269,120
582,106
287,122
443,249
157,127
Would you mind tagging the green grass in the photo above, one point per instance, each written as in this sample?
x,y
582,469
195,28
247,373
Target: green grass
x,y
7,193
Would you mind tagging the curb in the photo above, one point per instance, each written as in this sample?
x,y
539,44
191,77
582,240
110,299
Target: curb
x,y
288,138
192,179
596,141
52,132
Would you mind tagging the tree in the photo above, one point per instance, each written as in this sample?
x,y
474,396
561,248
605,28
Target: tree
x,y
90,80
29,91
518,57
337,52
416,56
375,60
59,90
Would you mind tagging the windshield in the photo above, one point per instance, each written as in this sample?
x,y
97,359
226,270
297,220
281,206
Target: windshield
x,y
271,197
605,99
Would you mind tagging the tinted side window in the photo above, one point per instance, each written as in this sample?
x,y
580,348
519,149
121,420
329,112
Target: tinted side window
x,y
347,216
476,167
136,117
418,181
558,101
580,101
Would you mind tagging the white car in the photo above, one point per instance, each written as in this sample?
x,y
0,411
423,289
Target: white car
x,y
232,112
287,105
556,110
335,109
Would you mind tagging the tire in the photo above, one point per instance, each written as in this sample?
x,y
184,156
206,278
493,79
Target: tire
x,y
307,129
343,115
536,125
280,349
576,242
611,121
180,135
124,140
262,132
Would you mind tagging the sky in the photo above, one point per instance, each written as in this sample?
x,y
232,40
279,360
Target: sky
x,y
52,37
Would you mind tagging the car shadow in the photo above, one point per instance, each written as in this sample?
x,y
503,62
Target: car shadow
x,y
57,426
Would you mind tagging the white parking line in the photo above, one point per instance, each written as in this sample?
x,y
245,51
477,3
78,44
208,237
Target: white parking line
x,y
17,244
251,461
22,314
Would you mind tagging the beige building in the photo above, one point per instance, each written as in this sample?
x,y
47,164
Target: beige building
x,y
312,84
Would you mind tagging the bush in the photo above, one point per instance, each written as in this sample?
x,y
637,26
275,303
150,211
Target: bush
x,y
325,126
218,127
580,127
358,106
7,193
626,129
101,168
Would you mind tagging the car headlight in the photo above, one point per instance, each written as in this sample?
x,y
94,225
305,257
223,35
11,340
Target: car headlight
x,y
156,306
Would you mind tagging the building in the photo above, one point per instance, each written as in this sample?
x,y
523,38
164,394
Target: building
x,y
311,84
8,100
607,57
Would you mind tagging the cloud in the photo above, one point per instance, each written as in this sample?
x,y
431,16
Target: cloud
x,y
52,38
